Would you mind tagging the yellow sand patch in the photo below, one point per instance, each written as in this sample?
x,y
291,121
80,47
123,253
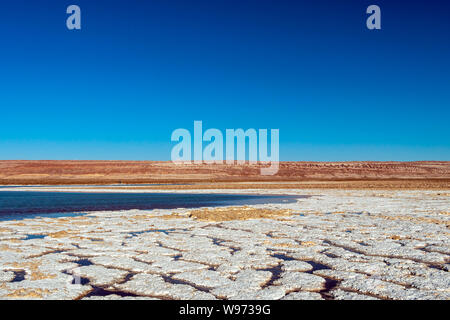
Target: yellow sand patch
x,y
4,247
236,213
395,237
70,219
417,219
32,269
316,213
59,234
81,223
142,216
37,275
5,230
283,245
149,216
14,240
28,293
170,216
19,224
308,243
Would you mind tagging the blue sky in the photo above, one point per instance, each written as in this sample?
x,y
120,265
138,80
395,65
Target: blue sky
x,y
137,70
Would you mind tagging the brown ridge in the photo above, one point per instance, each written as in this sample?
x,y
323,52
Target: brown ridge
x,y
43,172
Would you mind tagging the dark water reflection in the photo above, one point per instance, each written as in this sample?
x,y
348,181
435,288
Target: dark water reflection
x,y
21,204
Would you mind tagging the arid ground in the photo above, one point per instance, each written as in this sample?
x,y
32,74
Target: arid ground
x,y
427,174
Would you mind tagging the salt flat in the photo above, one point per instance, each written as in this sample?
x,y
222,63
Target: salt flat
x,y
336,244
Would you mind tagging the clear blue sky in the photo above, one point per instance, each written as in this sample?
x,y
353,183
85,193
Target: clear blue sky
x,y
140,69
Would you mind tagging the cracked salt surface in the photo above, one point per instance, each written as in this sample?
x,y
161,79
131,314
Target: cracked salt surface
x,y
336,244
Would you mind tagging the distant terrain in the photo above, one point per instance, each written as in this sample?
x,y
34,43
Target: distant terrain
x,y
429,174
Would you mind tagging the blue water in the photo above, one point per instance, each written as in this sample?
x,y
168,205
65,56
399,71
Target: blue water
x,y
26,204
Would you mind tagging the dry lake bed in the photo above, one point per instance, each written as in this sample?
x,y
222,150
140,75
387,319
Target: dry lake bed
x,y
334,244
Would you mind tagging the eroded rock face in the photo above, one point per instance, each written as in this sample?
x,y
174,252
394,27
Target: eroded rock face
x,y
348,244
